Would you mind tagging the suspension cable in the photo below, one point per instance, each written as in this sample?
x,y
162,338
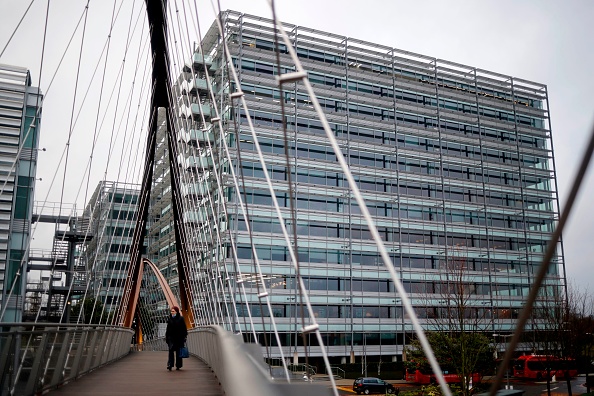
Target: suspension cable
x,y
16,28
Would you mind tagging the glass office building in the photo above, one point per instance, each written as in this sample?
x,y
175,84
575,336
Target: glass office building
x,y
455,164
111,214
20,118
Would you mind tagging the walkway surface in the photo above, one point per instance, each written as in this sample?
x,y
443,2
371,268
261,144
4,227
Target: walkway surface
x,y
145,373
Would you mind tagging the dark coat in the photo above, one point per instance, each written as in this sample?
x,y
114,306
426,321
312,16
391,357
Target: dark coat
x,y
176,332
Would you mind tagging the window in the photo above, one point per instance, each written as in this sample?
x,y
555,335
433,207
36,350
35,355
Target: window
x,y
22,197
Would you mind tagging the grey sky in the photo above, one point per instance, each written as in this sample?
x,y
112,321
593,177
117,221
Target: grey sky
x,y
545,41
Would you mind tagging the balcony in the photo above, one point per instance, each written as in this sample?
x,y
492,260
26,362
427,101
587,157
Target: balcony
x,y
196,135
196,189
199,61
196,217
193,111
198,163
197,85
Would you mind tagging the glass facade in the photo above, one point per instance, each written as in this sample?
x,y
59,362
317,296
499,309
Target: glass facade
x,y
455,165
111,214
20,118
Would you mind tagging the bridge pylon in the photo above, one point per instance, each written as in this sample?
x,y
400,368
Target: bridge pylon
x,y
160,97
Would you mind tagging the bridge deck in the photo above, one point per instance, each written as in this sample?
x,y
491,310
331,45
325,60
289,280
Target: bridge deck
x,y
145,373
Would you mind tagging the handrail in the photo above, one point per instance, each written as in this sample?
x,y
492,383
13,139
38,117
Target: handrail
x,y
308,369
240,367
33,325
37,357
340,373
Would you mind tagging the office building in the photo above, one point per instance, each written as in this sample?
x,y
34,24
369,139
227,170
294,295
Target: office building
x,y
111,214
455,164
20,116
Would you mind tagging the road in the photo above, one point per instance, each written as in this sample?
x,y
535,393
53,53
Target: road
x,y
530,388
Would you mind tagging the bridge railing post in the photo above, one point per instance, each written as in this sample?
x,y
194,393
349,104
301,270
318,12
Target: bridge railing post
x,y
51,364
80,348
103,352
119,338
40,351
59,370
7,343
102,339
90,351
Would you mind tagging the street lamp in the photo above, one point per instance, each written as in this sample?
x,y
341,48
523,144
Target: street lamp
x,y
364,361
589,349
504,336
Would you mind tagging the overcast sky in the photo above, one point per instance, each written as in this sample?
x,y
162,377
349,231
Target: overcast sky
x,y
550,42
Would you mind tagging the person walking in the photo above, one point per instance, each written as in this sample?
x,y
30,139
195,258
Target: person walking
x,y
175,336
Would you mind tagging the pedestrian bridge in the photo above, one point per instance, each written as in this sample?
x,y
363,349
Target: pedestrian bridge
x,y
204,266
98,359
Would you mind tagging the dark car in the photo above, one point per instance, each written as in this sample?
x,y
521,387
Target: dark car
x,y
369,385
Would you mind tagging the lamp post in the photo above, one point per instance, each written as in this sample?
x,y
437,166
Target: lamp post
x,y
504,336
364,355
589,362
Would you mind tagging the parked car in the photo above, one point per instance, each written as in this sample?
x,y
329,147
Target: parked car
x,y
369,385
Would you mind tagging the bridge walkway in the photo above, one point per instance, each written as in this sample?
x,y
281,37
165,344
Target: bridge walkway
x,y
145,373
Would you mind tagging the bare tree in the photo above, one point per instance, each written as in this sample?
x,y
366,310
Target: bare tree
x,y
568,319
550,329
460,322
580,328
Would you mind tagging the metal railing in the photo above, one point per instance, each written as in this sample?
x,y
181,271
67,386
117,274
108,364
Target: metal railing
x,y
306,369
36,357
240,367
337,372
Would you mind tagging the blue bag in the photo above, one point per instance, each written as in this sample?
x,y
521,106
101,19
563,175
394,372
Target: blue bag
x,y
183,352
